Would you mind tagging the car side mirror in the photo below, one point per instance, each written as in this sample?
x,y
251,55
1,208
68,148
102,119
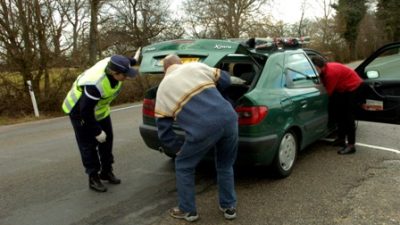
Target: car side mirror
x,y
372,74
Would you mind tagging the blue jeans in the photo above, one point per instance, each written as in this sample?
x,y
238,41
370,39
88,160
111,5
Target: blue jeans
x,y
225,139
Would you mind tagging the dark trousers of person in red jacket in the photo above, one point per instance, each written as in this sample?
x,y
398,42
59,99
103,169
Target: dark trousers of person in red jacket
x,y
342,108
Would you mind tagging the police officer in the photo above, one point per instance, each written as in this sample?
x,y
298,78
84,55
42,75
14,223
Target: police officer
x,y
88,106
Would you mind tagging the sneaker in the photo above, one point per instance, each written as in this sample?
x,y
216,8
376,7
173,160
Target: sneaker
x,y
229,213
179,214
95,183
110,177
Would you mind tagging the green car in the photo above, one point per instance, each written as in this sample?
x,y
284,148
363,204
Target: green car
x,y
281,102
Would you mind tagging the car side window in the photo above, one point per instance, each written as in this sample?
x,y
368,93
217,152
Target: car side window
x,y
386,64
299,72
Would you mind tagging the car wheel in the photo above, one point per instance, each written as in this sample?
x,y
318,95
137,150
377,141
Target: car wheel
x,y
286,155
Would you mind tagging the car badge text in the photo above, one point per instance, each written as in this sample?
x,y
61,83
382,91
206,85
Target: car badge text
x,y
217,46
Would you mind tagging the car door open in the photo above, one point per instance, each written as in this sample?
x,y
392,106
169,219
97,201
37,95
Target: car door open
x,y
380,98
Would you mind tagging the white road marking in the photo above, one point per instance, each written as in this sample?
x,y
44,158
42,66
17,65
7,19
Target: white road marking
x,y
379,148
368,146
5,127
128,107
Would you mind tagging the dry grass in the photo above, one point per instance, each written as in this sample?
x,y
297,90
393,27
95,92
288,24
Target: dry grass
x,y
4,120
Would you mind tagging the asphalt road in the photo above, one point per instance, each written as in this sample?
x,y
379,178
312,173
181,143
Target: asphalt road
x,y
42,181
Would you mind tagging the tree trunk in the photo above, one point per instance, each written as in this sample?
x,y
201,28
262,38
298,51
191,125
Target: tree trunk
x,y
352,49
93,35
43,52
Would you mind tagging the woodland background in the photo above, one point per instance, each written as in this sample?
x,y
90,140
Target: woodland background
x,y
50,42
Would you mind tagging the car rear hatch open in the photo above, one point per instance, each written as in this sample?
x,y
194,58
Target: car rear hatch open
x,y
208,51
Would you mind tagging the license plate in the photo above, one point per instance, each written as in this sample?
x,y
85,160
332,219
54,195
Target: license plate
x,y
189,59
373,105
183,59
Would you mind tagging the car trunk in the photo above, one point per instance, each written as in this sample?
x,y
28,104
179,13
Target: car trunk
x,y
226,55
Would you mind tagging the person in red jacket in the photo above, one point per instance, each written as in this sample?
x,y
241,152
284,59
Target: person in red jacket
x,y
343,86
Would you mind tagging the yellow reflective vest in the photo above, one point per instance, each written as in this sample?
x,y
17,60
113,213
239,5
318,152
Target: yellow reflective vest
x,y
93,76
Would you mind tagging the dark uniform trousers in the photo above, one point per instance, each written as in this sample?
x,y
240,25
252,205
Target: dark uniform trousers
x,y
95,156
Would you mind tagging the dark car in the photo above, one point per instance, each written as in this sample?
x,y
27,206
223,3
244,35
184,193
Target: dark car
x,y
282,105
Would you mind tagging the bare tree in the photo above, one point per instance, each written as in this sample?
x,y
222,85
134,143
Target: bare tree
x,y
324,35
39,31
303,7
138,23
221,18
17,36
326,27
32,38
76,12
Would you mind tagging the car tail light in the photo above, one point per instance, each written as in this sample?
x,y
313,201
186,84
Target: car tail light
x,y
148,107
251,115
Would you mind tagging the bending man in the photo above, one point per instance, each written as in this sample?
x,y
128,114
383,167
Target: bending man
x,y
190,95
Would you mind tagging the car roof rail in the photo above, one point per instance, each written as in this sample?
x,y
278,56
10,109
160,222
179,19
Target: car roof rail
x,y
268,44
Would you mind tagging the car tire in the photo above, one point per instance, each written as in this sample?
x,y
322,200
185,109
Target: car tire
x,y
286,155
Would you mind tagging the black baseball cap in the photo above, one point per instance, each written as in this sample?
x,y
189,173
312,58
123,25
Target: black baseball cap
x,y
122,64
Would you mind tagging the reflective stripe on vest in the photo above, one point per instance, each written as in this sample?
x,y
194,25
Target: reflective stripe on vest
x,y
93,76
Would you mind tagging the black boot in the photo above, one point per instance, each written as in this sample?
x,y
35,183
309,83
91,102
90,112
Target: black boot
x,y
95,183
349,149
110,177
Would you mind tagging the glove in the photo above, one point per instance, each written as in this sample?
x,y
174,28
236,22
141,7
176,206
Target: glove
x,y
101,137
237,80
137,54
